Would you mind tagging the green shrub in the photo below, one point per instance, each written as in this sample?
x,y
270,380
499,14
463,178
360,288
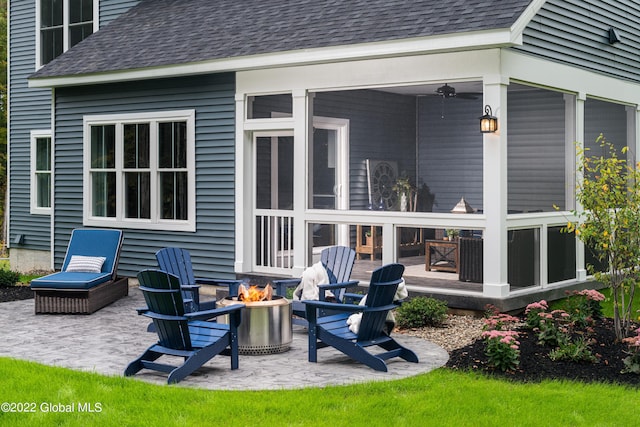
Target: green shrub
x,y
421,311
9,278
577,350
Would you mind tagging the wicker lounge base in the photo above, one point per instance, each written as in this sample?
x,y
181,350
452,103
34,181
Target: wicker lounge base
x,y
62,301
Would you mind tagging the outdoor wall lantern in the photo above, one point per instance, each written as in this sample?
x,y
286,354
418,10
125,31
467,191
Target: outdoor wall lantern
x,y
488,122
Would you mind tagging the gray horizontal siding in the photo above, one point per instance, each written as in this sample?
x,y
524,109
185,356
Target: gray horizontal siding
x,y
576,32
29,109
111,9
212,245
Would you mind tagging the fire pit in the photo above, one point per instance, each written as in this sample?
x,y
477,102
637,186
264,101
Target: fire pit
x,y
266,324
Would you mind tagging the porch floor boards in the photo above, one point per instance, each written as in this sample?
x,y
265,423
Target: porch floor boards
x,y
416,277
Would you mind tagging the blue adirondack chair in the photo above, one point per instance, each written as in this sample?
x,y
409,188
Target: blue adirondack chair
x,y
333,330
338,261
177,261
186,335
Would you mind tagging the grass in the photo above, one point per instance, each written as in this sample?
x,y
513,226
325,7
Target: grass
x,y
607,306
442,397
24,278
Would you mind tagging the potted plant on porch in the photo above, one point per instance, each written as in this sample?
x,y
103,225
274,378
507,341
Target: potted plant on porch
x,y
406,194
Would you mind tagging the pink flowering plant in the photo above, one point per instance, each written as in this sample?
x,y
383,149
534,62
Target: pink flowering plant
x,y
502,349
532,313
500,322
569,335
584,306
553,328
632,361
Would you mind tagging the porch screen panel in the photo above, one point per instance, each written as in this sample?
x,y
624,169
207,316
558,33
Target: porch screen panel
x,y
536,150
324,169
172,166
136,171
103,173
608,119
561,255
274,173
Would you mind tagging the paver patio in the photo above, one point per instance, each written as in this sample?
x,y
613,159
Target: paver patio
x,y
106,341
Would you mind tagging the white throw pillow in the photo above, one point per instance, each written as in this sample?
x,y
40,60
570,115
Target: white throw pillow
x,y
86,264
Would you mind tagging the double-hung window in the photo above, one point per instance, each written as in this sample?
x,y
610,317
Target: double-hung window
x,y
140,170
41,172
61,24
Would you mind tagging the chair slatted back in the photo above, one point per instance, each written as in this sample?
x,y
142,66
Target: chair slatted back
x,y
382,289
163,296
338,260
177,261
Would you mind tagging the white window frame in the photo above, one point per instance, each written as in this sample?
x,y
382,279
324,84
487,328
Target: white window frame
x,y
154,223
34,208
65,26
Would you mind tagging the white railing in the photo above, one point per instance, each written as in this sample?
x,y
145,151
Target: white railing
x,y
274,240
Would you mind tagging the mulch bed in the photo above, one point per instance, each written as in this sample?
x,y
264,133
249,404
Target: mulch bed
x,y
535,364
15,293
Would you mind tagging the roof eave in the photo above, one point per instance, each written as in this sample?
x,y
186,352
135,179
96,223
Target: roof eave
x,y
433,44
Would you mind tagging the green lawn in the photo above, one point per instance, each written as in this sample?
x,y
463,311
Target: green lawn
x,y
441,398
607,306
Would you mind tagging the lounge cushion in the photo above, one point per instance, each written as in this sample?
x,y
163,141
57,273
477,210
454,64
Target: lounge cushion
x,y
85,264
70,280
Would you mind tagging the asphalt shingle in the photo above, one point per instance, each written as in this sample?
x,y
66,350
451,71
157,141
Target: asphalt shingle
x,y
168,32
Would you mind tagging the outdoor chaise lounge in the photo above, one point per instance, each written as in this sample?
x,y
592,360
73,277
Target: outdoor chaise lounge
x,y
87,281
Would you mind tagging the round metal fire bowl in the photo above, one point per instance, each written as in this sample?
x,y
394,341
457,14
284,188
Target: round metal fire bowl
x,y
265,327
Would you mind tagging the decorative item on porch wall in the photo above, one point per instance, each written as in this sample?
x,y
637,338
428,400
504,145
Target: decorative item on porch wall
x,y
381,177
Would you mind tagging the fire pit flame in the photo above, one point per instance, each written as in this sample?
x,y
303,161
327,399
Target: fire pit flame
x,y
254,294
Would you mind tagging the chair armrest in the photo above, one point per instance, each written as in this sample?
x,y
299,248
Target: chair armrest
x,y
142,310
329,286
349,284
282,285
209,314
159,316
314,304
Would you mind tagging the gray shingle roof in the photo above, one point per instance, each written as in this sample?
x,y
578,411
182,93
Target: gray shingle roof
x,y
169,32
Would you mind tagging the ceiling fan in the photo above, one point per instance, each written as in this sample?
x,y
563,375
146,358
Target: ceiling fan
x,y
447,91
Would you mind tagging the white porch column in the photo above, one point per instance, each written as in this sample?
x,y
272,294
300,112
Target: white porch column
x,y
302,131
495,191
581,270
243,180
